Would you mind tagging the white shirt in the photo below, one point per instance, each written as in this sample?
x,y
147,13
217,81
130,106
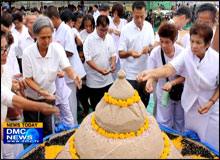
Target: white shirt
x,y
24,41
201,78
75,31
96,13
6,94
43,69
83,34
115,37
12,62
171,21
64,35
100,51
155,61
186,39
19,35
132,38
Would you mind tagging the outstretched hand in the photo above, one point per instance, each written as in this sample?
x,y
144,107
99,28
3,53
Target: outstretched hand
x,y
78,81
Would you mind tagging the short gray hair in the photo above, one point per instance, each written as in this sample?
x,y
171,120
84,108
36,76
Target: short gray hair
x,y
40,23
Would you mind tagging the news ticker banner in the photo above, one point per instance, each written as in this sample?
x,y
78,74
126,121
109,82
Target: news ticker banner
x,y
23,132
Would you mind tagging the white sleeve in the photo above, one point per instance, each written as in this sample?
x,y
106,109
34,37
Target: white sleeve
x,y
87,49
152,59
64,62
186,40
151,36
178,62
122,41
26,65
6,96
113,51
70,44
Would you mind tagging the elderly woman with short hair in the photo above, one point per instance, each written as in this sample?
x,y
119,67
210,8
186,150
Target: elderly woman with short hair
x,y
172,114
41,62
200,97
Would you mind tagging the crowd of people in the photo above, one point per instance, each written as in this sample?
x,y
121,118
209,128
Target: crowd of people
x,y
54,59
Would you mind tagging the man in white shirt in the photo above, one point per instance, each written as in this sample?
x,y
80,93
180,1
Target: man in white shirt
x,y
28,38
64,36
135,42
181,17
206,13
96,11
100,56
103,10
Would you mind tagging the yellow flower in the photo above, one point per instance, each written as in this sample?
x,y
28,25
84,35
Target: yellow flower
x,y
121,136
124,104
142,129
114,101
116,136
135,92
120,102
129,101
132,134
138,133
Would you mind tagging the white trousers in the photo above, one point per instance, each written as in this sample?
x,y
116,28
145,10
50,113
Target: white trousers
x,y
205,125
73,102
171,116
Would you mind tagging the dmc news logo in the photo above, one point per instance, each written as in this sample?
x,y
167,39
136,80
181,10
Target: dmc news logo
x,y
23,132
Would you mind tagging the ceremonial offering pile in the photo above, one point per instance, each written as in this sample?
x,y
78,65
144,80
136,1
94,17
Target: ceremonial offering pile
x,y
120,128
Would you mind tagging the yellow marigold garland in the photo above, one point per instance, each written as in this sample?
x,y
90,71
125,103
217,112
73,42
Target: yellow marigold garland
x,y
177,142
117,135
166,149
72,148
122,103
52,151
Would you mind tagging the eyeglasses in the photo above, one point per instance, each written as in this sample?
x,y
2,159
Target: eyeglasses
x,y
5,50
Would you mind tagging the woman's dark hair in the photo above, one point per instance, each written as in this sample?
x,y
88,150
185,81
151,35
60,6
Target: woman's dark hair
x,y
77,15
102,20
17,16
6,19
119,8
7,34
168,30
202,29
88,17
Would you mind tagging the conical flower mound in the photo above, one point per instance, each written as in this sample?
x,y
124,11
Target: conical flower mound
x,y
120,128
114,118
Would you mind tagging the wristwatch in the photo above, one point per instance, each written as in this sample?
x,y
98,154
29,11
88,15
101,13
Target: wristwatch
x,y
212,101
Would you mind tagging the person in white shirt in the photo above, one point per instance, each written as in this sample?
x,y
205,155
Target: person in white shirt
x,y
69,19
206,13
41,62
135,42
77,23
10,99
28,38
64,35
100,57
103,10
96,11
115,27
200,97
88,24
171,115
181,17
12,62
19,30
